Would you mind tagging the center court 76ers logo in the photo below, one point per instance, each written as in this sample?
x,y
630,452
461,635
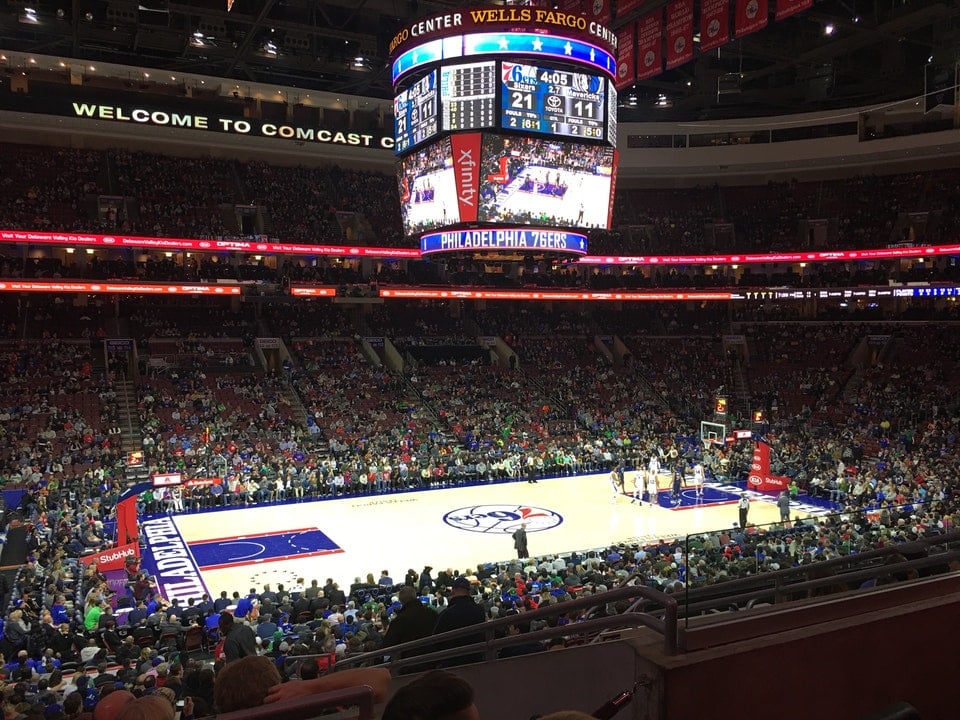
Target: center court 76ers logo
x,y
502,519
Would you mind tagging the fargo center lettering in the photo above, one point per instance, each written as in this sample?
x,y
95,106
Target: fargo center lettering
x,y
481,18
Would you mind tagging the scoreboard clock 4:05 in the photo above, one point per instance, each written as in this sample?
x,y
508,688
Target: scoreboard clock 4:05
x,y
552,101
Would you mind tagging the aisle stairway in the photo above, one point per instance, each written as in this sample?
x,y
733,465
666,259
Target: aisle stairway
x,y
131,433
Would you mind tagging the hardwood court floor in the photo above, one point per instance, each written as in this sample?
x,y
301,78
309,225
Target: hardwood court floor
x,y
448,528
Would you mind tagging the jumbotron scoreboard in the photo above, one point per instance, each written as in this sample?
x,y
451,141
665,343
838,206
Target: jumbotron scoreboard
x,y
505,128
552,101
468,95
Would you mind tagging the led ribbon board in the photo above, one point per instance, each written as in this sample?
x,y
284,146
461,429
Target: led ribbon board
x,y
512,43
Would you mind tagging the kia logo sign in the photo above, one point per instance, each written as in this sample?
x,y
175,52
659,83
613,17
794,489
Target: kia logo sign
x,y
755,480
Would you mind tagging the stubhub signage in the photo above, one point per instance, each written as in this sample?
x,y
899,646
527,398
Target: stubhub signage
x,y
504,240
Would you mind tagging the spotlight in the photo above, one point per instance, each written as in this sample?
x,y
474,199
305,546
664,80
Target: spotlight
x,y
828,29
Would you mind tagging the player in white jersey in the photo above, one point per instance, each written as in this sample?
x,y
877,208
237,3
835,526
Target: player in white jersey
x,y
698,478
614,484
637,477
654,464
652,488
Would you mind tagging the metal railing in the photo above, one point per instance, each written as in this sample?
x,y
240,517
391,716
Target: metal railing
x,y
423,653
816,579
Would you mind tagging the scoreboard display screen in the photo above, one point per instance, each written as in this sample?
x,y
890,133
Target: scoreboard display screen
x,y
468,96
428,188
552,101
611,113
536,180
415,113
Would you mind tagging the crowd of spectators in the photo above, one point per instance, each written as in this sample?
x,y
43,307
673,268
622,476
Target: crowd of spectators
x,y
886,456
875,436
185,197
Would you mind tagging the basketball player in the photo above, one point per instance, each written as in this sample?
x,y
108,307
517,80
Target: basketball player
x,y
653,466
637,477
698,478
614,484
677,482
653,489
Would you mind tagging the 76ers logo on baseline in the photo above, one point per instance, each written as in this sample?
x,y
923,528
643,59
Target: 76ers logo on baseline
x,y
502,518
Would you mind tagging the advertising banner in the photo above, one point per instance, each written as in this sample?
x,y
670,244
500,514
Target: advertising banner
x,y
760,478
112,558
134,111
466,173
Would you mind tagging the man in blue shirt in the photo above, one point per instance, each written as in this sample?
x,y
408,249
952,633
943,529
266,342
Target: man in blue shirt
x,y
245,605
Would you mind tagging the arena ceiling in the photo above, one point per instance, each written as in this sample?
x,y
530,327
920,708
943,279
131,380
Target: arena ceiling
x,y
838,54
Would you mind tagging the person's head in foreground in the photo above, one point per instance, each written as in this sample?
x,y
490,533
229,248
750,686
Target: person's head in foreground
x,y
149,707
244,683
438,695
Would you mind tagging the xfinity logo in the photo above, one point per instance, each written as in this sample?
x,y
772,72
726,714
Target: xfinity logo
x,y
466,169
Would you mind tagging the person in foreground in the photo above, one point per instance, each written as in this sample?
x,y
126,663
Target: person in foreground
x,y
378,679
437,695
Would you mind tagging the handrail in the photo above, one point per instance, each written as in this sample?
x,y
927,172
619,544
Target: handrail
x,y
762,581
306,708
490,648
857,576
400,654
775,589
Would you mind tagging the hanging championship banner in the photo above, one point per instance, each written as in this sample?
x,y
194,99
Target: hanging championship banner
x,y
751,15
679,32
626,56
714,24
786,8
599,11
649,45
625,7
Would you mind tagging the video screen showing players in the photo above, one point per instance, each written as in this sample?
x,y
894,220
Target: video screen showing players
x,y
428,196
544,182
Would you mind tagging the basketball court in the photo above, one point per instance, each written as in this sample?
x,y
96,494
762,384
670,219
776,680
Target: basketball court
x,y
590,210
457,527
433,200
